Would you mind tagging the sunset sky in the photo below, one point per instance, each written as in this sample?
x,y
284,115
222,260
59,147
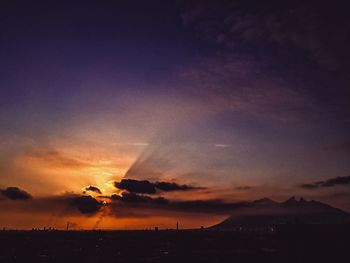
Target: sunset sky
x,y
212,102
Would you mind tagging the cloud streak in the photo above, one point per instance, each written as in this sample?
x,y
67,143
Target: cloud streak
x,y
145,206
147,187
332,182
66,204
54,158
92,188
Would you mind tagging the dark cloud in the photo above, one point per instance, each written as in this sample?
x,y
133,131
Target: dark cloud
x,y
86,204
147,187
137,198
322,32
15,193
303,43
93,189
131,198
58,206
166,186
136,186
340,180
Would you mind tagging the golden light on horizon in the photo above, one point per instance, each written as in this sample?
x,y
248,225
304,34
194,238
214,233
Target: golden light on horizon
x,y
72,169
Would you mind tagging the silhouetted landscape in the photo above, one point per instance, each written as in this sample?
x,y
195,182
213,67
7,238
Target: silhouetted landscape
x,y
291,231
303,243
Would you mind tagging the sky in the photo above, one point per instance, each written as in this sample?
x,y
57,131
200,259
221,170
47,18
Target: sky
x,y
122,115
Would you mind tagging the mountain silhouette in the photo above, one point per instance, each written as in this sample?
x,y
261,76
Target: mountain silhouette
x,y
265,201
268,212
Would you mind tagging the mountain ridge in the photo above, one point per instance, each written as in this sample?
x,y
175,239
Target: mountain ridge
x,y
266,211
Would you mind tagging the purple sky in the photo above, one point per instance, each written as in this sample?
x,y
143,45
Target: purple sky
x,y
247,99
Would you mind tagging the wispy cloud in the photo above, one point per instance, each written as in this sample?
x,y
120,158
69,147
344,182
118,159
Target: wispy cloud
x,y
222,145
137,144
238,84
340,180
55,158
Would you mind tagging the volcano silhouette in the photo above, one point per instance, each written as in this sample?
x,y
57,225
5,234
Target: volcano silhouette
x,y
268,212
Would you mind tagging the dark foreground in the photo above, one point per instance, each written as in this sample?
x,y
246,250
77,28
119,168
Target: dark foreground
x,y
292,244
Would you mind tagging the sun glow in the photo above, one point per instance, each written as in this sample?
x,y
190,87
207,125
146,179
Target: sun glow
x,y
72,169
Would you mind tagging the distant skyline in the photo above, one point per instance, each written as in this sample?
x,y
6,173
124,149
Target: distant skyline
x,y
212,101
